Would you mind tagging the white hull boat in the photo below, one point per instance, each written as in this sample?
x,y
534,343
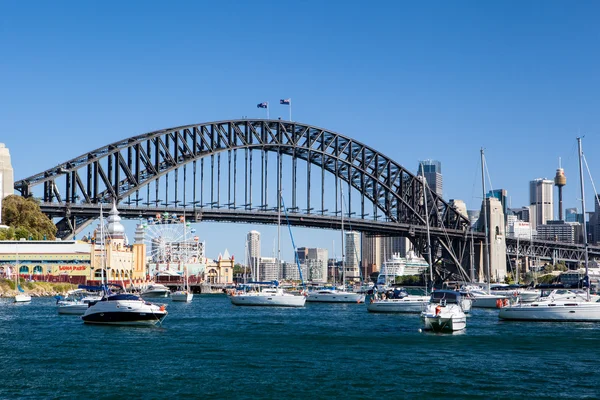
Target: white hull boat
x,y
156,291
559,310
76,302
444,312
334,296
22,298
124,309
182,295
408,304
273,297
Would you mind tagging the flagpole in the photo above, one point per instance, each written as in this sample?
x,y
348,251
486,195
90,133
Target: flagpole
x,y
267,110
290,110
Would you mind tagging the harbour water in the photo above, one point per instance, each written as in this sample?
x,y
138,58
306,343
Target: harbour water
x,y
211,349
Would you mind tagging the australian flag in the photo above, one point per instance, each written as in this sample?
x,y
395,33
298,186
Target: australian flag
x,y
263,105
285,101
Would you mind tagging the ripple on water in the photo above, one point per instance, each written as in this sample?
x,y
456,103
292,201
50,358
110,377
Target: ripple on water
x,y
210,348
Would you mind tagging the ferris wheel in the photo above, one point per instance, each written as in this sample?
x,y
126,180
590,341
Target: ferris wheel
x,y
164,236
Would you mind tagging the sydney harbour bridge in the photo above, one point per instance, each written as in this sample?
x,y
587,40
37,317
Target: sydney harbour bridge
x,y
234,171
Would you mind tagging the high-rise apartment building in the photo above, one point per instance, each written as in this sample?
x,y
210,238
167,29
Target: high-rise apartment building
x,y
432,170
541,205
352,255
253,248
315,261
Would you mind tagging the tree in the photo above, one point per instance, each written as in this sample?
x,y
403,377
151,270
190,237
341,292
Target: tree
x,y
26,219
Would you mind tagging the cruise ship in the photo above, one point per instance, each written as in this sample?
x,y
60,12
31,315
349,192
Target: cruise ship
x,y
401,266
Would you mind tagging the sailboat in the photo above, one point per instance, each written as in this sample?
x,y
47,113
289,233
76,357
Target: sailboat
x,y
483,298
20,297
185,294
581,308
121,308
400,301
335,295
269,293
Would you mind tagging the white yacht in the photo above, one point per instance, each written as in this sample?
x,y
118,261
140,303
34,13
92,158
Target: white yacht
x,y
22,297
331,295
77,301
124,309
569,307
444,312
260,294
525,295
397,301
185,293
155,290
482,299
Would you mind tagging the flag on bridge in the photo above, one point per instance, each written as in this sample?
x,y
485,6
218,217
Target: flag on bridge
x,y
285,101
263,105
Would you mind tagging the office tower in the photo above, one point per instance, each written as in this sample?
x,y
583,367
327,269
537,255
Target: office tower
x,y
541,205
572,215
352,253
253,246
432,170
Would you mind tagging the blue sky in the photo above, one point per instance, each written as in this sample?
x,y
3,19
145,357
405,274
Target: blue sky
x,y
415,80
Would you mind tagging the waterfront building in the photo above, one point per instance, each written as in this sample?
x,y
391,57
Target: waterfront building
x,y
290,271
48,260
432,170
517,228
220,271
352,256
253,246
541,203
560,231
315,260
268,269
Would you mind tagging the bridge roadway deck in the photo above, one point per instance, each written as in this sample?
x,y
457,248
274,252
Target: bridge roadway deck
x,y
544,250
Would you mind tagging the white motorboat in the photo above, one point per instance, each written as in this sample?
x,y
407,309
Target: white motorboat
x,y
481,299
21,296
334,296
525,295
564,306
266,295
77,301
124,309
397,301
444,312
155,290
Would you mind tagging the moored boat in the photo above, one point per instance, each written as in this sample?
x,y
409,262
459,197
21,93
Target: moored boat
x,y
265,294
444,312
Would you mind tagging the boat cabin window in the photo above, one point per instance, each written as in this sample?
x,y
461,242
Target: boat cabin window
x,y
448,297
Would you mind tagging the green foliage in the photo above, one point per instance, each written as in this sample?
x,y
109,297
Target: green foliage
x,y
25,219
408,280
546,279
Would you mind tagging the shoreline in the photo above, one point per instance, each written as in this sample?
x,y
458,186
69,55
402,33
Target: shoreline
x,y
34,289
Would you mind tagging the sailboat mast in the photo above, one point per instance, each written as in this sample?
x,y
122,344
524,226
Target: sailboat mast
x,y
485,223
102,255
279,232
424,181
585,240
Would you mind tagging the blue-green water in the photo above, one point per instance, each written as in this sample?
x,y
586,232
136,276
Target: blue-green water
x,y
211,349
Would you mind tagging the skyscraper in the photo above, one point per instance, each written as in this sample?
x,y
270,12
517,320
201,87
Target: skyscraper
x,y
541,205
352,253
432,170
253,245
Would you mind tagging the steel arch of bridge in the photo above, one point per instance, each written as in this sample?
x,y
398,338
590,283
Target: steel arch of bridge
x,y
123,169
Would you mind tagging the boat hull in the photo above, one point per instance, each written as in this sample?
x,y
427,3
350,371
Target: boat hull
x,y
572,312
22,298
72,309
340,297
267,301
124,312
416,305
444,324
182,296
487,301
156,295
